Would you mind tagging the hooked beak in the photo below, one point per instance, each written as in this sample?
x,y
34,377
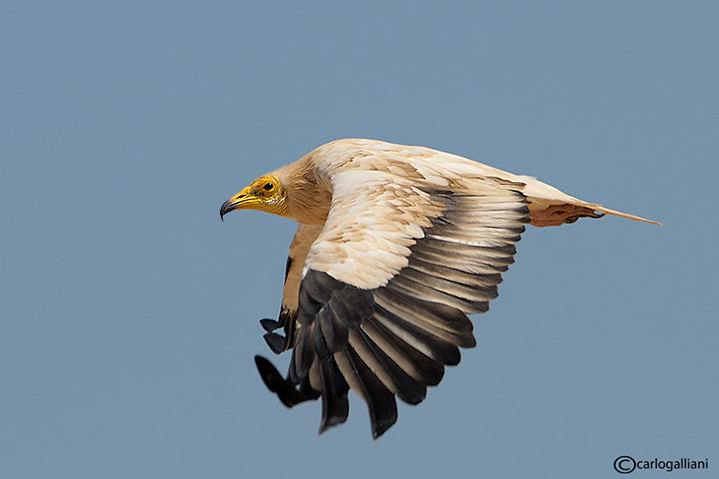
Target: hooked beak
x,y
241,200
227,206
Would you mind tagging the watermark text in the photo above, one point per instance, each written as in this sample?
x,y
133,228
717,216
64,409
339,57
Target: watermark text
x,y
627,464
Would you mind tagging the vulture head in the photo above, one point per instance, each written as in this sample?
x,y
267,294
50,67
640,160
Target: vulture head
x,y
264,194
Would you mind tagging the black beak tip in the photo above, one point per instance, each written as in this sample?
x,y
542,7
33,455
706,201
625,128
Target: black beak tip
x,y
226,208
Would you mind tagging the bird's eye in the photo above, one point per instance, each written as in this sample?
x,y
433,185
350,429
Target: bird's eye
x,y
268,186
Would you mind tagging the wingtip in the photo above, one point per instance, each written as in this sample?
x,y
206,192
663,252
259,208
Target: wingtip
x,y
379,429
285,391
275,341
330,423
269,325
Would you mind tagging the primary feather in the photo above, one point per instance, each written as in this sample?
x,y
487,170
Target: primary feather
x,y
395,246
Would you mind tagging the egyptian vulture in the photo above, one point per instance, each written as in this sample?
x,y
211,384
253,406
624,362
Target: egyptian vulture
x,y
395,246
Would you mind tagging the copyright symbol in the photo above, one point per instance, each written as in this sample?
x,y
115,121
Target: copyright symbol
x,y
624,464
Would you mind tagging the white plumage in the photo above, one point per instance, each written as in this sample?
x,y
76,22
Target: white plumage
x,y
395,246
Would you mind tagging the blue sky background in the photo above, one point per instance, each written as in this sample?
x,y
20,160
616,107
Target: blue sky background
x,y
128,312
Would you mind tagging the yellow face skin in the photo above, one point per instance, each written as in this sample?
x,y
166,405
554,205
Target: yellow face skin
x,y
264,194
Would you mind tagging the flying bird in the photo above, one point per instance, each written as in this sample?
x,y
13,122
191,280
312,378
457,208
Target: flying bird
x,y
395,246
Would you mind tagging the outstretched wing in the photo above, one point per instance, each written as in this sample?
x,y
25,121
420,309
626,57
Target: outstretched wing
x,y
387,285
